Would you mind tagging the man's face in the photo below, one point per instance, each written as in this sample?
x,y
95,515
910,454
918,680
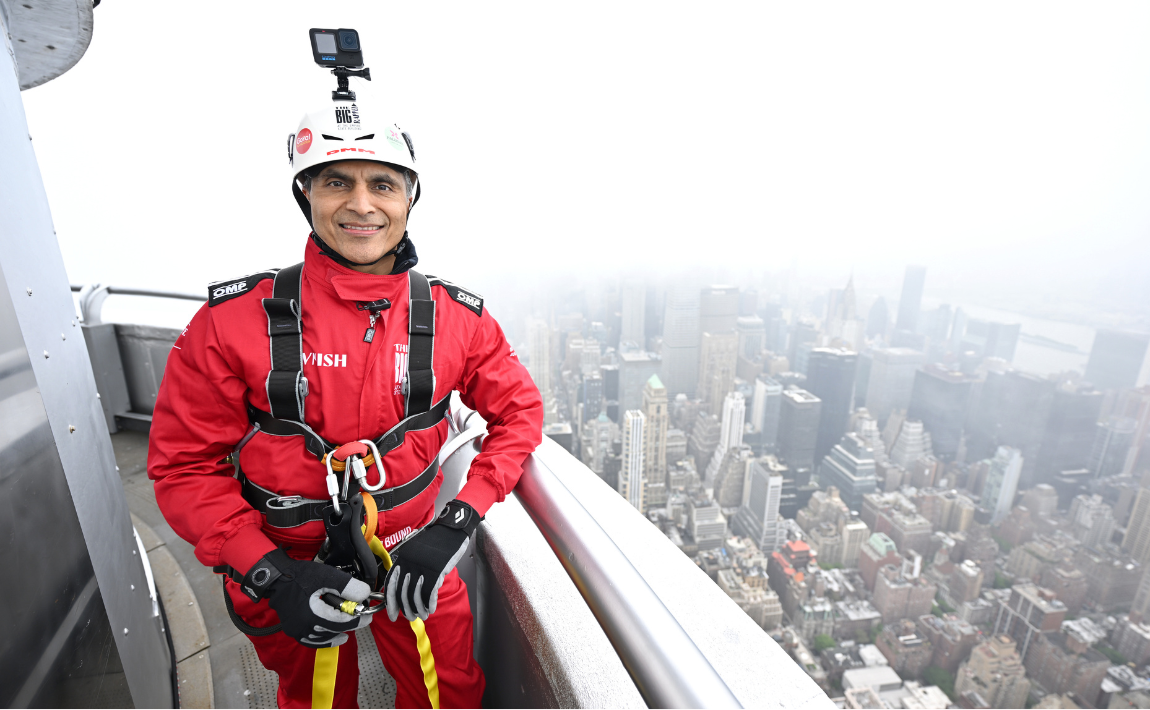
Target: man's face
x,y
359,208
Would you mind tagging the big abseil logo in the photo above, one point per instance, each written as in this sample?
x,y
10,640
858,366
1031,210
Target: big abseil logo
x,y
303,141
400,366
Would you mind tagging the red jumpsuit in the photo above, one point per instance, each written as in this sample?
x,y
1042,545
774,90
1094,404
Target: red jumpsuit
x,y
219,365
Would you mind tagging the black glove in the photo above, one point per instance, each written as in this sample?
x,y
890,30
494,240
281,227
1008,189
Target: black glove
x,y
421,561
293,589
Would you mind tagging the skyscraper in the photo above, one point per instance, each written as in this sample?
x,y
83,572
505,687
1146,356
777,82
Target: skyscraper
x,y
1012,410
850,467
633,305
1112,442
1116,359
1002,483
730,430
891,380
758,516
718,358
831,378
1137,538
539,354
910,302
592,399
911,444
681,341
655,410
635,368
631,474
765,412
610,402
877,319
718,309
752,336
798,431
804,335
1070,431
939,399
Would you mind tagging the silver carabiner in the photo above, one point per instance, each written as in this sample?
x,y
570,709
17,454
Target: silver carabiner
x,y
332,485
361,470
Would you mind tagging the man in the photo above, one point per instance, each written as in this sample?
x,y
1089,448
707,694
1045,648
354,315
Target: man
x,y
274,382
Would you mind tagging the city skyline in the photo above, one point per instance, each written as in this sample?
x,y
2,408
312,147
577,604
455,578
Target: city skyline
x,y
838,469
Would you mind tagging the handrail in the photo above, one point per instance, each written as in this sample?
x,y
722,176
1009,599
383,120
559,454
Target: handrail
x,y
667,667
92,298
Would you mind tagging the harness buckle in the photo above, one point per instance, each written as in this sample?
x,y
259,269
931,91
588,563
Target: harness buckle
x,y
284,502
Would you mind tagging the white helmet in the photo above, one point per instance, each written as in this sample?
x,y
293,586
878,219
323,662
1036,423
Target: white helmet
x,y
346,131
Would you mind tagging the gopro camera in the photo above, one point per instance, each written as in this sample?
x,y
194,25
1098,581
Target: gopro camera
x,y
340,50
336,48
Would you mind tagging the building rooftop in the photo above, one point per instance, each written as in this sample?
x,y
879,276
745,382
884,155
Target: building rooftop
x,y
879,678
801,396
871,656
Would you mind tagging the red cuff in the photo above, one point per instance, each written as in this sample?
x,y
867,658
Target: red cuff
x,y
480,493
246,547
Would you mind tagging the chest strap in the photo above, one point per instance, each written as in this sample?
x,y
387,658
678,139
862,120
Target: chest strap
x,y
293,511
420,344
286,386
390,440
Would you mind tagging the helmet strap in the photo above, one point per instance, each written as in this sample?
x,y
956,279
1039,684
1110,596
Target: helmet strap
x,y
344,261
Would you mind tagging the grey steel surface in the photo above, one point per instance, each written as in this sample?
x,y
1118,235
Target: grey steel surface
x,y
46,37
108,369
36,288
59,637
666,665
144,350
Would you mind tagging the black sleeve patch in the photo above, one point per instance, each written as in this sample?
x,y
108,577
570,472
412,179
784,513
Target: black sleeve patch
x,y
221,291
472,301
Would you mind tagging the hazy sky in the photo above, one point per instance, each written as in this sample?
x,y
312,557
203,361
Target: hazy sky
x,y
992,142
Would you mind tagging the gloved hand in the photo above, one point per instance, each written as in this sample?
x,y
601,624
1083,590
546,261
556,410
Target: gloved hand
x,y
421,561
293,589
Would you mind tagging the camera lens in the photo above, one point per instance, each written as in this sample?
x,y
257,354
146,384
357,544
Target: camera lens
x,y
349,41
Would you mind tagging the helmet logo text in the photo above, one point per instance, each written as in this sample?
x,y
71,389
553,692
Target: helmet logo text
x,y
347,118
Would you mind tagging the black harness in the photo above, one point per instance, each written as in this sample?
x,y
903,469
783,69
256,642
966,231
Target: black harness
x,y
287,390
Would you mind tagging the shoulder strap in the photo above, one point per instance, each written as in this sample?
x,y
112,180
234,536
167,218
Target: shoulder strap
x,y
286,385
420,344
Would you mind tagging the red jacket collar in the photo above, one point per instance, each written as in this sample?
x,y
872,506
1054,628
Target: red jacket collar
x,y
349,284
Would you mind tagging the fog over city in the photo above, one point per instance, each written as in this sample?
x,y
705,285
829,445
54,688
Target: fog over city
x,y
1002,147
849,301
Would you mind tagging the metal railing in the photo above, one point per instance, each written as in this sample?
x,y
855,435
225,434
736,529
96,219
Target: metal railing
x,y
666,666
92,297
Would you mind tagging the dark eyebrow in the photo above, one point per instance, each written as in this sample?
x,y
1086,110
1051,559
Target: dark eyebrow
x,y
384,178
334,174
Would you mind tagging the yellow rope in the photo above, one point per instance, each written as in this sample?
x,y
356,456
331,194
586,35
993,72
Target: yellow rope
x,y
422,642
323,678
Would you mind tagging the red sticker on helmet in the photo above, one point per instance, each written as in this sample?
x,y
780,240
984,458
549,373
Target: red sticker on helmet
x,y
303,141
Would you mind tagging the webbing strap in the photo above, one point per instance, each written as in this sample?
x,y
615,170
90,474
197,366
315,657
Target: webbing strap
x,y
286,385
420,344
387,442
293,511
323,677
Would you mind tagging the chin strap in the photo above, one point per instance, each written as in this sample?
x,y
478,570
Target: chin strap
x,y
404,252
